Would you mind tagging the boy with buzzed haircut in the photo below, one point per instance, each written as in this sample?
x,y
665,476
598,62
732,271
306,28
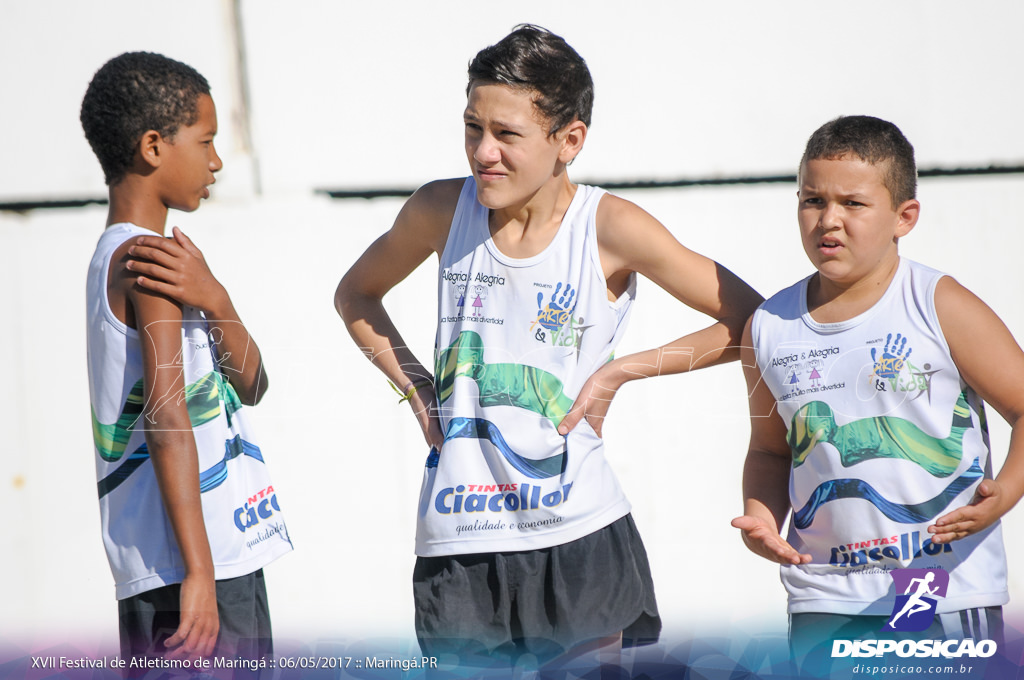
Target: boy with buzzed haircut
x,y
525,543
188,513
885,452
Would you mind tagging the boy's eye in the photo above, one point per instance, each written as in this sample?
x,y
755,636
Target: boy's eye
x,y
472,126
812,201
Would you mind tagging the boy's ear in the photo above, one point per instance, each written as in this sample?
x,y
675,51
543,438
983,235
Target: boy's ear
x,y
150,148
573,135
908,213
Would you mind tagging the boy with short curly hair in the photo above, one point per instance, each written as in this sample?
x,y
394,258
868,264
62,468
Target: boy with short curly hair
x,y
188,513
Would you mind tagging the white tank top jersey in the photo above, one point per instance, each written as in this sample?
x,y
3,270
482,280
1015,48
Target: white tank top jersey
x,y
886,437
516,341
241,510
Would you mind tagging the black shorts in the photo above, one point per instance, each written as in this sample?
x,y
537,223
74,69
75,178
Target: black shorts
x,y
149,618
539,602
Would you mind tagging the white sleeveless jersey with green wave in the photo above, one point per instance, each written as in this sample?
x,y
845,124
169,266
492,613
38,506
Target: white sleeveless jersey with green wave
x,y
244,524
516,341
885,438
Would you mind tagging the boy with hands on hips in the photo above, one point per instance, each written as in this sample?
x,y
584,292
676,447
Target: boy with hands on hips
x,y
536,278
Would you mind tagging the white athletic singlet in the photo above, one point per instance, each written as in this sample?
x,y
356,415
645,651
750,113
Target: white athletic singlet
x,y
243,518
886,437
516,341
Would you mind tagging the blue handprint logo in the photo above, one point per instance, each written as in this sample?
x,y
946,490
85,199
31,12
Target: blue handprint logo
x,y
558,310
893,357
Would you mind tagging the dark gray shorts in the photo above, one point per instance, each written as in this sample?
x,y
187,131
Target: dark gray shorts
x,y
149,618
540,602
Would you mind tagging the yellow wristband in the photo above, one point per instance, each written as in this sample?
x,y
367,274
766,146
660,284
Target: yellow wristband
x,y
411,388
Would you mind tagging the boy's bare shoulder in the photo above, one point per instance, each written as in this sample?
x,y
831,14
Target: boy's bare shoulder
x,y
131,302
427,216
121,283
985,352
442,190
436,201
619,220
614,210
630,237
119,257
967,322
955,304
118,273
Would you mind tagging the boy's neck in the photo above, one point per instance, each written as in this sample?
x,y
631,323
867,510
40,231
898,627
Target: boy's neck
x,y
526,230
831,302
132,200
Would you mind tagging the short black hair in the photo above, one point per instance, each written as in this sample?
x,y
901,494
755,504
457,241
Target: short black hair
x,y
874,141
133,93
533,58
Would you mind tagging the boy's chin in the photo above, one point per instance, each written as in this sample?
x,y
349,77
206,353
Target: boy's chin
x,y
830,271
184,207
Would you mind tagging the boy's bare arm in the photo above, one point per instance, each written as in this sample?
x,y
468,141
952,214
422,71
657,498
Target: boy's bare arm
x,y
992,363
766,470
630,240
175,267
420,229
175,461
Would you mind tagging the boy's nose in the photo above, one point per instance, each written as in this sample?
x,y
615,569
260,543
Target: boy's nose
x,y
487,150
831,216
215,163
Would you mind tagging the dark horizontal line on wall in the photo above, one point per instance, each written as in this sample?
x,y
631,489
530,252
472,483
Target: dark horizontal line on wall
x,y
695,182
610,184
25,206
341,194
365,193
958,172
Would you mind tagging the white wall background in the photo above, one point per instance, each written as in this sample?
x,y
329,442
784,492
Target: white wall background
x,y
360,95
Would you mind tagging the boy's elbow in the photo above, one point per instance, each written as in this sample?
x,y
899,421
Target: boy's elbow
x,y
165,438
746,304
344,296
733,325
730,352
252,394
351,300
740,296
255,396
250,398
339,297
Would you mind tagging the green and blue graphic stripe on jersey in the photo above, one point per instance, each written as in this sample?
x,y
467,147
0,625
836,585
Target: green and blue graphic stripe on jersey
x,y
123,471
209,479
503,384
111,440
508,384
478,428
233,448
880,437
203,399
916,513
